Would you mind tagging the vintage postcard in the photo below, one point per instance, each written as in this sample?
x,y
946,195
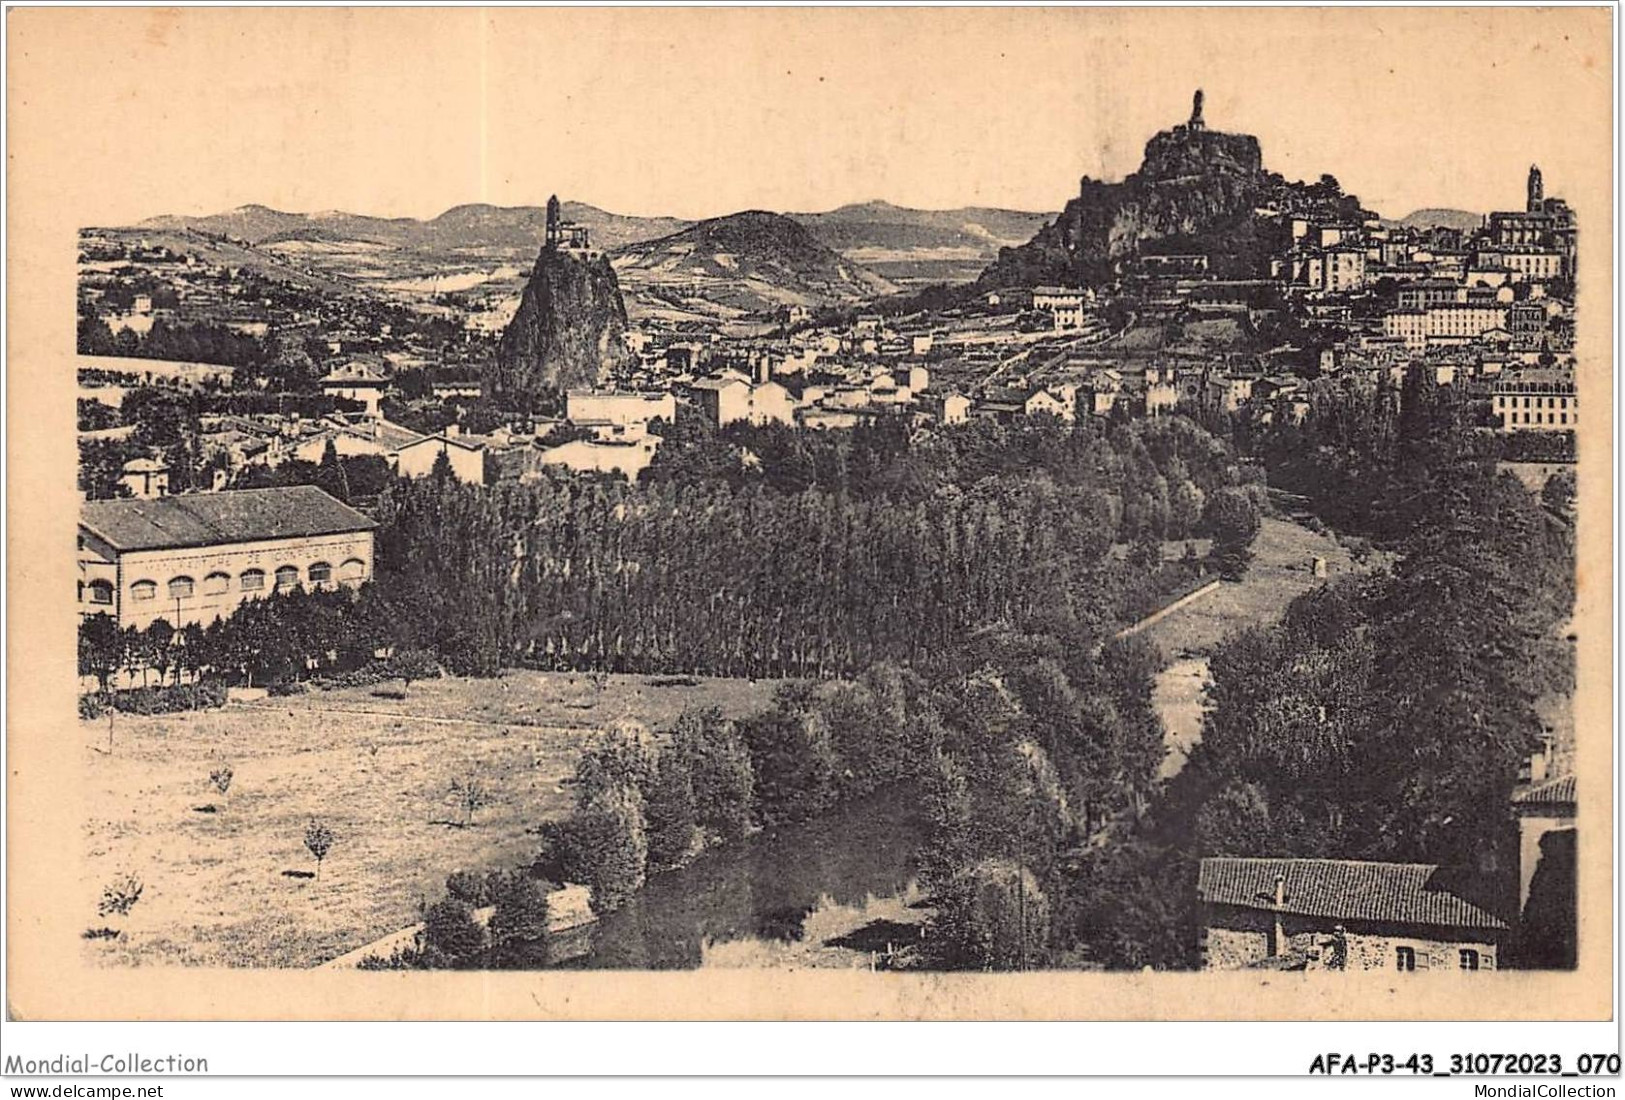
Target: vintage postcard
x,y
810,513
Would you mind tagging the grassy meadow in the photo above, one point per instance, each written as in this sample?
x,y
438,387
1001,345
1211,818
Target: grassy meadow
x,y
237,887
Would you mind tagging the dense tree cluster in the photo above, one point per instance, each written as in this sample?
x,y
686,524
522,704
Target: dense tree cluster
x,y
1385,717
200,343
751,573
1038,745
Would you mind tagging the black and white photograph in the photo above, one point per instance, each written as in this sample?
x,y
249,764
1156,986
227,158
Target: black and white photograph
x,y
1054,497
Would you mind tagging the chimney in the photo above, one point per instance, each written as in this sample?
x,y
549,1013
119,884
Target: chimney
x,y
1278,944
453,430
1540,763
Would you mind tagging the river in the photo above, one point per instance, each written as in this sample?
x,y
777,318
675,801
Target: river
x,y
761,891
763,888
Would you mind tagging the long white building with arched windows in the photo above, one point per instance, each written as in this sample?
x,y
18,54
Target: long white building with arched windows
x,y
194,558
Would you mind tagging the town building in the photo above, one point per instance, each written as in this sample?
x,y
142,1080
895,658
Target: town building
x,y
948,408
1065,307
1545,224
195,557
730,397
627,454
1060,402
145,478
1334,914
1420,295
375,436
1446,322
619,407
1536,400
357,381
455,391
464,453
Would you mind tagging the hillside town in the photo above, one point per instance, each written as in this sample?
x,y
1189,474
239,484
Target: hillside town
x,y
1488,310
540,470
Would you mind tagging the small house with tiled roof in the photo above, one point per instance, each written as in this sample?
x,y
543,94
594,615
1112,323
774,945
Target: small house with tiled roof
x,y
463,452
145,478
1330,914
357,381
194,557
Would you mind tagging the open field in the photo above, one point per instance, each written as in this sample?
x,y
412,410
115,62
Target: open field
x,y
1282,570
376,769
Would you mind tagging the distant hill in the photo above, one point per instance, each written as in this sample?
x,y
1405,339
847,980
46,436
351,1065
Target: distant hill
x,y
246,223
917,246
1464,220
876,225
523,226
262,259
475,225
899,244
750,261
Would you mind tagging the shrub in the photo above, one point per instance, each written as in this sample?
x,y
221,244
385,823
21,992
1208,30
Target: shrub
x,y
451,935
793,761
467,886
120,896
206,695
611,847
866,736
287,687
519,922
319,839
558,857
411,665
627,756
220,779
365,676
92,705
402,958
471,795
669,807
1233,518
991,917
720,773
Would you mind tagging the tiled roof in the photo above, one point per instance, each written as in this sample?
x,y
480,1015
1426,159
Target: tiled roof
x,y
465,442
356,372
1557,790
1401,893
382,432
209,519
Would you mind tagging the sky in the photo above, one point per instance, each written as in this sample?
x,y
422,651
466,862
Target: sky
x,y
696,113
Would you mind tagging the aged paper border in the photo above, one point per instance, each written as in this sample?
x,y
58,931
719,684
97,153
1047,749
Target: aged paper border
x,y
48,977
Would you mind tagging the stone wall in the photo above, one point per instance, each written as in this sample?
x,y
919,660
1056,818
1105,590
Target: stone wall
x,y
1235,938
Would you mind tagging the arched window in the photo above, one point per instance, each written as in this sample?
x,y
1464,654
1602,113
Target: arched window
x,y
144,590
320,572
252,580
216,584
1405,959
100,591
180,588
353,570
287,578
